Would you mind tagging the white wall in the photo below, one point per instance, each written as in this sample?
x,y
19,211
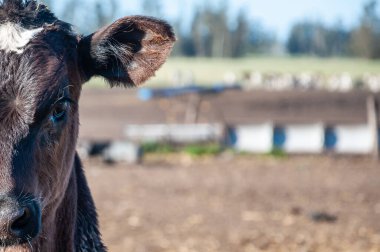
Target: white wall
x,y
308,138
354,139
179,133
258,138
255,138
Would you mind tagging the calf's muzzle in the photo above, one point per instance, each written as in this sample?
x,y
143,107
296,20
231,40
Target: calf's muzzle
x,y
20,219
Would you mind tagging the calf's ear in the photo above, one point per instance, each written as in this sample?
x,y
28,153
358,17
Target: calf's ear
x,y
127,52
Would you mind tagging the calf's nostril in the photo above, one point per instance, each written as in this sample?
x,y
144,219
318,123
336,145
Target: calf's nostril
x,y
21,223
20,220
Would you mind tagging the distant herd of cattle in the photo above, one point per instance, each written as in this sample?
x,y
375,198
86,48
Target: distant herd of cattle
x,y
305,81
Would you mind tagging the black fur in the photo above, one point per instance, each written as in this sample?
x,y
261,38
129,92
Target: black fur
x,y
28,13
57,61
87,235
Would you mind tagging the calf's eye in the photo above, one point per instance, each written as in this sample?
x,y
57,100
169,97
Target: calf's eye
x,y
59,112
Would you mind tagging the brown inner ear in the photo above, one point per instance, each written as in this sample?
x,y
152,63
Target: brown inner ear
x,y
129,51
133,35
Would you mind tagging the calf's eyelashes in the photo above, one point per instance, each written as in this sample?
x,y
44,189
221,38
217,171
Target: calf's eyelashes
x,y
59,111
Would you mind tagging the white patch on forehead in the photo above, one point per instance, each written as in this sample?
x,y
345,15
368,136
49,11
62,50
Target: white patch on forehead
x,y
13,37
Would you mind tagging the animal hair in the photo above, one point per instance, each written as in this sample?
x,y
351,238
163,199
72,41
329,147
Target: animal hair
x,y
28,13
130,51
39,57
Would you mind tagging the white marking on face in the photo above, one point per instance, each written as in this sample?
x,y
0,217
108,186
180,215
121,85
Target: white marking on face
x,y
13,37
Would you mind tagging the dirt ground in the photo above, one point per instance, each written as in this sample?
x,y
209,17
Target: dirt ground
x,y
238,204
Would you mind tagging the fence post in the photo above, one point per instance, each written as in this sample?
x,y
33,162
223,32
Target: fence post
x,y
372,110
193,107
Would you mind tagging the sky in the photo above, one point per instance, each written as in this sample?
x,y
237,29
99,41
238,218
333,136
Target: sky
x,y
279,15
275,15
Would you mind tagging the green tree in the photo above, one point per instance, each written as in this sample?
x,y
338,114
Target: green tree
x,y
315,38
260,40
365,39
213,36
240,36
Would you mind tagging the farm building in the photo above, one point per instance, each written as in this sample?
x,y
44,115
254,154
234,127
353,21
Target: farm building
x,y
253,121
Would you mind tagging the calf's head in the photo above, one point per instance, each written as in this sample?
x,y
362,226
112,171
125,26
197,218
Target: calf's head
x,y
43,65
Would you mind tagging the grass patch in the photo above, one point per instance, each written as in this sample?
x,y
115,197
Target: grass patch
x,y
203,150
159,148
195,150
277,153
208,71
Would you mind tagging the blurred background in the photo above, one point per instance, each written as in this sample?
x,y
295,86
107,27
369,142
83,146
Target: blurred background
x,y
260,133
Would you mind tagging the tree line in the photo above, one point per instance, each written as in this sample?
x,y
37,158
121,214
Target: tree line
x,y
315,38
213,32
214,35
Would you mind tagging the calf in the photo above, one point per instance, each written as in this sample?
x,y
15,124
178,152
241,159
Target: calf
x,y
45,203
